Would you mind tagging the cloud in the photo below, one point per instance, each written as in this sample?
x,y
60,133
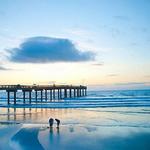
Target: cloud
x,y
147,76
133,83
120,86
98,64
48,49
4,69
2,13
133,43
121,17
112,75
114,31
144,29
78,32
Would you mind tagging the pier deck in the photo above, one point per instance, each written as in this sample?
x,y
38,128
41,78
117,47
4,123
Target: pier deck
x,y
61,91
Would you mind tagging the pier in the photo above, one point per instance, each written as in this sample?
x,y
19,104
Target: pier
x,y
47,93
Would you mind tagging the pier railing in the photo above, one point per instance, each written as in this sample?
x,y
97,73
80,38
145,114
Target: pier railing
x,y
20,87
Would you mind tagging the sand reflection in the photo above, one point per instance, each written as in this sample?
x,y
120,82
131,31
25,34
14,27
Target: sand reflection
x,y
27,138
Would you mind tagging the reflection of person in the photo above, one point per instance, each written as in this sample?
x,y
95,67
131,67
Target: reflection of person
x,y
57,130
51,130
58,122
51,121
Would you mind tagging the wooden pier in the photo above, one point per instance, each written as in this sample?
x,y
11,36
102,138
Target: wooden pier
x,y
48,92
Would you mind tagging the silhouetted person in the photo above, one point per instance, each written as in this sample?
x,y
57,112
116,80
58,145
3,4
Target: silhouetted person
x,y
51,121
58,122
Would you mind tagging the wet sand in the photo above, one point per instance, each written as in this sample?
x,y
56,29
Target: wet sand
x,y
82,129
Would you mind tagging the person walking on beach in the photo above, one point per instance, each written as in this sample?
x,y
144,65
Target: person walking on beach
x,y
51,121
58,122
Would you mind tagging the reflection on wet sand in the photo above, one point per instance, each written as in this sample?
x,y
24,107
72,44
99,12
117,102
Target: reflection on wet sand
x,y
29,114
50,138
79,138
27,138
73,136
97,117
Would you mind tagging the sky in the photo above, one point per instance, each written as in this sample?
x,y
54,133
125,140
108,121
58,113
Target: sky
x,y
104,44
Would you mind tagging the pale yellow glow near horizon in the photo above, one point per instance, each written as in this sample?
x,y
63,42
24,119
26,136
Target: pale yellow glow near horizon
x,y
70,73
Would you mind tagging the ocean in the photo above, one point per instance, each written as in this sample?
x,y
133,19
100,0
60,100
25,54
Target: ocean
x,y
122,98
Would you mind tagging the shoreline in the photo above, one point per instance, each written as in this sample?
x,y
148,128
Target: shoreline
x,y
69,107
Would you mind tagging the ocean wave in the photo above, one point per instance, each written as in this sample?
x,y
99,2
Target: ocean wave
x,y
94,99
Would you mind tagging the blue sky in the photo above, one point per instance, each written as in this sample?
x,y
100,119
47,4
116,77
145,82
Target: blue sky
x,y
115,32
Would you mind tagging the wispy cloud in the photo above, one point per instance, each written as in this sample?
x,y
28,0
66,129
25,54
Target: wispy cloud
x,y
4,68
134,44
2,13
147,76
97,64
78,32
144,29
113,30
122,17
123,85
48,49
112,75
133,83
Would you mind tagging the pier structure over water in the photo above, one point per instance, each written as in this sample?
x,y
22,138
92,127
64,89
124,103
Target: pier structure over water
x,y
43,92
